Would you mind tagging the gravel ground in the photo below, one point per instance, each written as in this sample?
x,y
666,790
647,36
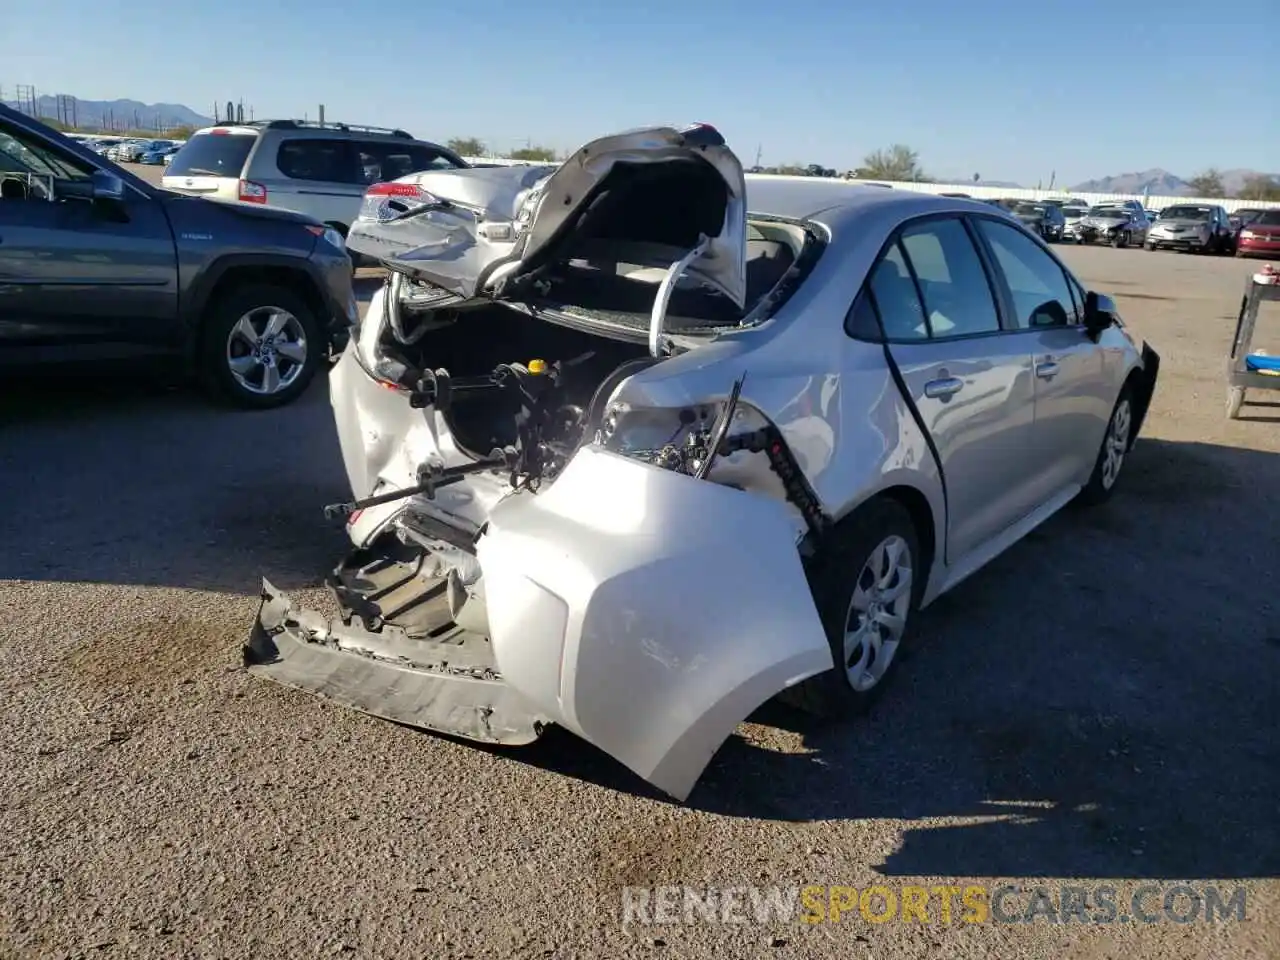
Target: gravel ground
x,y
1101,702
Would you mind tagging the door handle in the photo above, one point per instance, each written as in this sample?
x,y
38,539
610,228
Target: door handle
x,y
1047,368
943,388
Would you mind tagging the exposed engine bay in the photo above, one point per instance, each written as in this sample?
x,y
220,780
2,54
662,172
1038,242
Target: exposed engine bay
x,y
524,419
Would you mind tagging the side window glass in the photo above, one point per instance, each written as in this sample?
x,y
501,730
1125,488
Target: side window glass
x,y
957,296
326,161
28,161
381,161
895,294
1042,296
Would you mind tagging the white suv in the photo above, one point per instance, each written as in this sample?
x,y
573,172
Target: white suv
x,y
321,171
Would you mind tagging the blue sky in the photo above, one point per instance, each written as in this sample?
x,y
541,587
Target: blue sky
x,y
1010,90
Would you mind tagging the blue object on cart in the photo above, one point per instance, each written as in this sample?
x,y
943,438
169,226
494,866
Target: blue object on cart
x,y
1262,363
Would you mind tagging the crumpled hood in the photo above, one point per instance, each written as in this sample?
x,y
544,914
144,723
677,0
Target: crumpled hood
x,y
651,193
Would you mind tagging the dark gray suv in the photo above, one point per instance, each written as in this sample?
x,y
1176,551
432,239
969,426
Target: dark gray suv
x,y
98,264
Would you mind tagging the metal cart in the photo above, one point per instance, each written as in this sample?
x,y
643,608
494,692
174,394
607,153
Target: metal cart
x,y
1246,370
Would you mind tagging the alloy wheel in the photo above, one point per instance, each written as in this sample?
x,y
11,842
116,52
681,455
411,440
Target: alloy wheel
x,y
266,350
878,610
1116,444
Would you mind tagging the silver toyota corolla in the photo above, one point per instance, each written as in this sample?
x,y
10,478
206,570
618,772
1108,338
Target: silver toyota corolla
x,y
637,444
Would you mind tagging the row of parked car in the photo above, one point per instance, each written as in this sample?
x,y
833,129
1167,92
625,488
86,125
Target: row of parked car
x,y
131,149
1190,227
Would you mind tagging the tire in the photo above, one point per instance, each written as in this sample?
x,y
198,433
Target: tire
x,y
876,531
1121,240
258,304
1118,440
1235,400
1151,247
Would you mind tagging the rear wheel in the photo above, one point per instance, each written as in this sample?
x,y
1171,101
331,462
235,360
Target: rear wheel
x,y
260,347
866,586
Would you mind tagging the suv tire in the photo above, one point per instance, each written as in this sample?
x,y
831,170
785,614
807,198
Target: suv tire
x,y
256,336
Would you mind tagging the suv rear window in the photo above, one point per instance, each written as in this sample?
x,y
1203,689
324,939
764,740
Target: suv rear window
x,y
213,155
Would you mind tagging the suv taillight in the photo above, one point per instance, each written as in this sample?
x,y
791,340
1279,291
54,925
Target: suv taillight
x,y
251,192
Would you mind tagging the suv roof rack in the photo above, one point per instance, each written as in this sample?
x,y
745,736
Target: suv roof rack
x,y
316,125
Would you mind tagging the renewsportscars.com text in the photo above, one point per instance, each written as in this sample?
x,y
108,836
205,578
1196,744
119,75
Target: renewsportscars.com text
x,y
1084,903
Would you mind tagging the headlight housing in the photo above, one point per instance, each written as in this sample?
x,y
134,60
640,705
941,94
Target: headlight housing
x,y
334,238
328,235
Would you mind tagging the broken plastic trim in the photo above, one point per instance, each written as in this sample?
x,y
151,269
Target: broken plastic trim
x,y
658,317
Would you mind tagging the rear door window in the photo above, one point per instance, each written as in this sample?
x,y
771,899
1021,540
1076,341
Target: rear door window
x,y
326,161
381,161
213,155
953,282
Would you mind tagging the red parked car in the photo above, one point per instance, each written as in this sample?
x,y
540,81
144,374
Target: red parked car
x,y
1260,237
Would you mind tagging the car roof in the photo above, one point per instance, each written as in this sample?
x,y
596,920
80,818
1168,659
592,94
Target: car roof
x,y
834,201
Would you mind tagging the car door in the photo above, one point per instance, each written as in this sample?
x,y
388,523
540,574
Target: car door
x,y
320,177
1072,404
968,379
78,271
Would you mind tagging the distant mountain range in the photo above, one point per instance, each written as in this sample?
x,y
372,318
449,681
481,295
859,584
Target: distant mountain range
x,y
116,114
1162,183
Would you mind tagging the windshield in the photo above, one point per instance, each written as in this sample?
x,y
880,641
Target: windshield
x,y
1187,213
213,155
1115,213
1072,213
1029,209
1245,215
1266,218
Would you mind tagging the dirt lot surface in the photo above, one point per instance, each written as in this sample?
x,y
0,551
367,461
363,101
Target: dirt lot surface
x,y
1099,703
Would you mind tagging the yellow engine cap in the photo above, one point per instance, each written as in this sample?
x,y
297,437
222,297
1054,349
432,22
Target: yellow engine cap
x,y
537,366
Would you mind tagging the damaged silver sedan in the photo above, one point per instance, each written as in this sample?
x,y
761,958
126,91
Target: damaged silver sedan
x,y
636,445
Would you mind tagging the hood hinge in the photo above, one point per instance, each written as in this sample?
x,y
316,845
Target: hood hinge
x,y
658,316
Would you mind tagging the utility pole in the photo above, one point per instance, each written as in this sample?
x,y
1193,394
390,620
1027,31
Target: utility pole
x,y
759,153
26,98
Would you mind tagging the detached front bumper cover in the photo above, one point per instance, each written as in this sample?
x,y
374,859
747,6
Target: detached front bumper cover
x,y
451,686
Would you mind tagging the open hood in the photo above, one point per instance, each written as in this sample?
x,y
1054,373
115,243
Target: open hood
x,y
634,200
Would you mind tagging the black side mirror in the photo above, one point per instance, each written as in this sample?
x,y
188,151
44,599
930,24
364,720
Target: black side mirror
x,y
106,186
100,186
1099,313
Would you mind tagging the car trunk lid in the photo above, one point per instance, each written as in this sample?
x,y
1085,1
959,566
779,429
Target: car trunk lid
x,y
642,199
